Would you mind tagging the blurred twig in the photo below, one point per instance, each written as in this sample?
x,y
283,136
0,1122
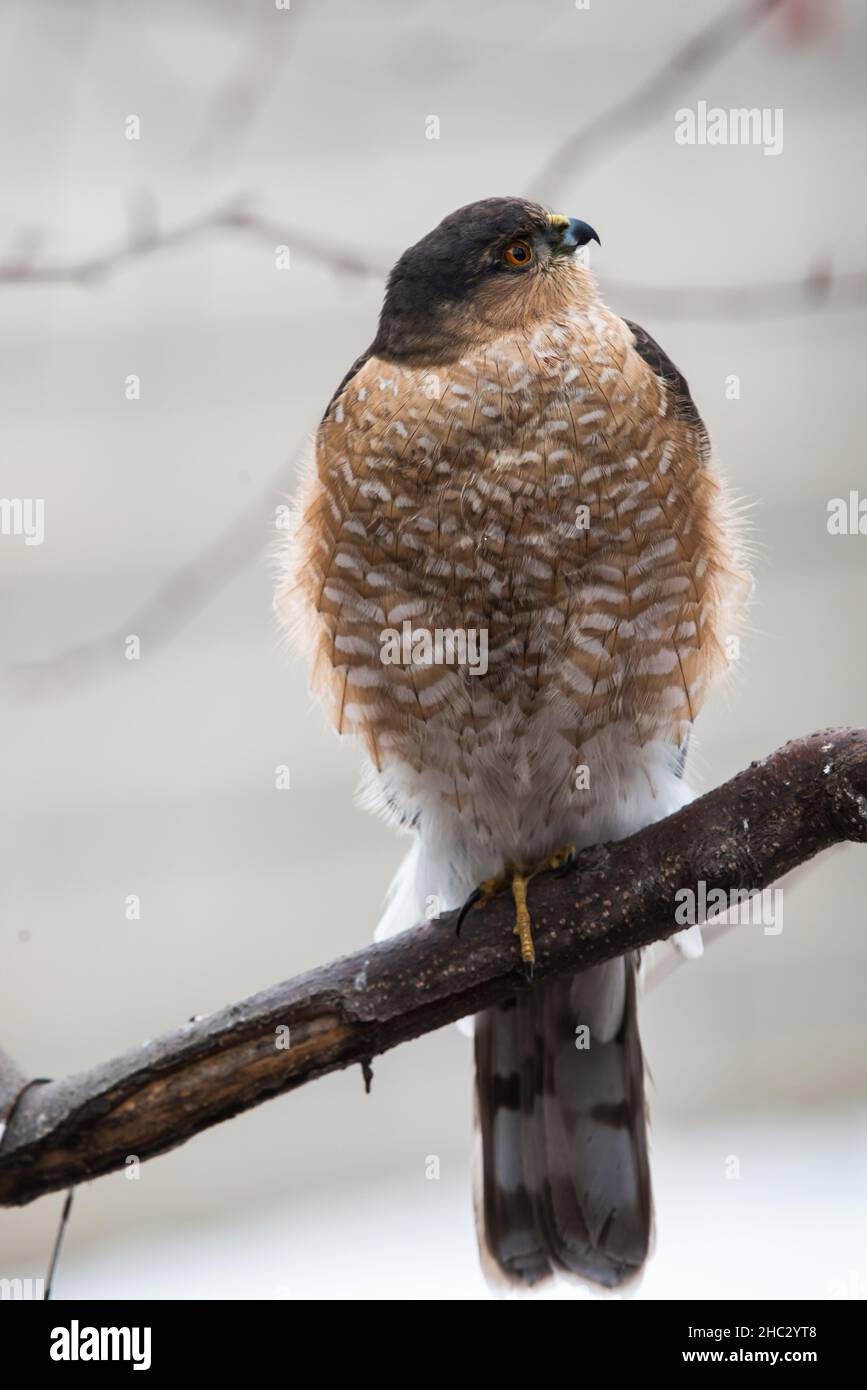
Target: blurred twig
x,y
628,117
818,288
620,897
175,602
237,103
143,242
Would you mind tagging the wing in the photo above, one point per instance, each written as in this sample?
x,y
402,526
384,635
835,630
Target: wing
x,y
353,371
674,381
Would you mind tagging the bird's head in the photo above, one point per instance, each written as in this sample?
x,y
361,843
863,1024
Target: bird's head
x,y
492,267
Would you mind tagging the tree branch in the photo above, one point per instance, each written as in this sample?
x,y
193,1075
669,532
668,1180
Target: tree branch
x,y
779,813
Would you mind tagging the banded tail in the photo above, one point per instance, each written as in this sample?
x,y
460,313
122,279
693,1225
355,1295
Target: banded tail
x,y
565,1182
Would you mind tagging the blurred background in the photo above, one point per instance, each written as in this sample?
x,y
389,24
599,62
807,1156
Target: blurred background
x,y
155,257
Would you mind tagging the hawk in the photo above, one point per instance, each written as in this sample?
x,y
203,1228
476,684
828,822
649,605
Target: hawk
x,y
514,569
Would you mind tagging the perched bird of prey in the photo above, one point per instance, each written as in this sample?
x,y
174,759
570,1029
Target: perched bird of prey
x,y
515,569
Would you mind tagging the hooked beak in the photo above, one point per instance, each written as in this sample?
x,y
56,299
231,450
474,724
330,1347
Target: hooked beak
x,y
568,233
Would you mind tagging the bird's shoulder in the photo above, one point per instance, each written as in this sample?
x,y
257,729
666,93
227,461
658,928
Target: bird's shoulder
x,y
360,362
676,384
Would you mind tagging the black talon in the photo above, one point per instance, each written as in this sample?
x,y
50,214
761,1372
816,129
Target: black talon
x,y
568,863
529,970
470,902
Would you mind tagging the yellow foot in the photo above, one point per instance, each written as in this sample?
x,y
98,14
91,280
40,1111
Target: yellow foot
x,y
518,877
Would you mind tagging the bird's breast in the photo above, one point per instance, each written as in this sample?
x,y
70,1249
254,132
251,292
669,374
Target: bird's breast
x,y
527,533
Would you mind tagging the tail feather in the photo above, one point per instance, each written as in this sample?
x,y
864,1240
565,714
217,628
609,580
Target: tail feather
x,y
565,1183
511,1247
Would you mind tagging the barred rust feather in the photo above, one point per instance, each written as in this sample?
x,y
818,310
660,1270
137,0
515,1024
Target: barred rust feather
x,y
511,458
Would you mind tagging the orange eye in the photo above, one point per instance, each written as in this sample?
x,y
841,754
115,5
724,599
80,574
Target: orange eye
x,y
518,254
